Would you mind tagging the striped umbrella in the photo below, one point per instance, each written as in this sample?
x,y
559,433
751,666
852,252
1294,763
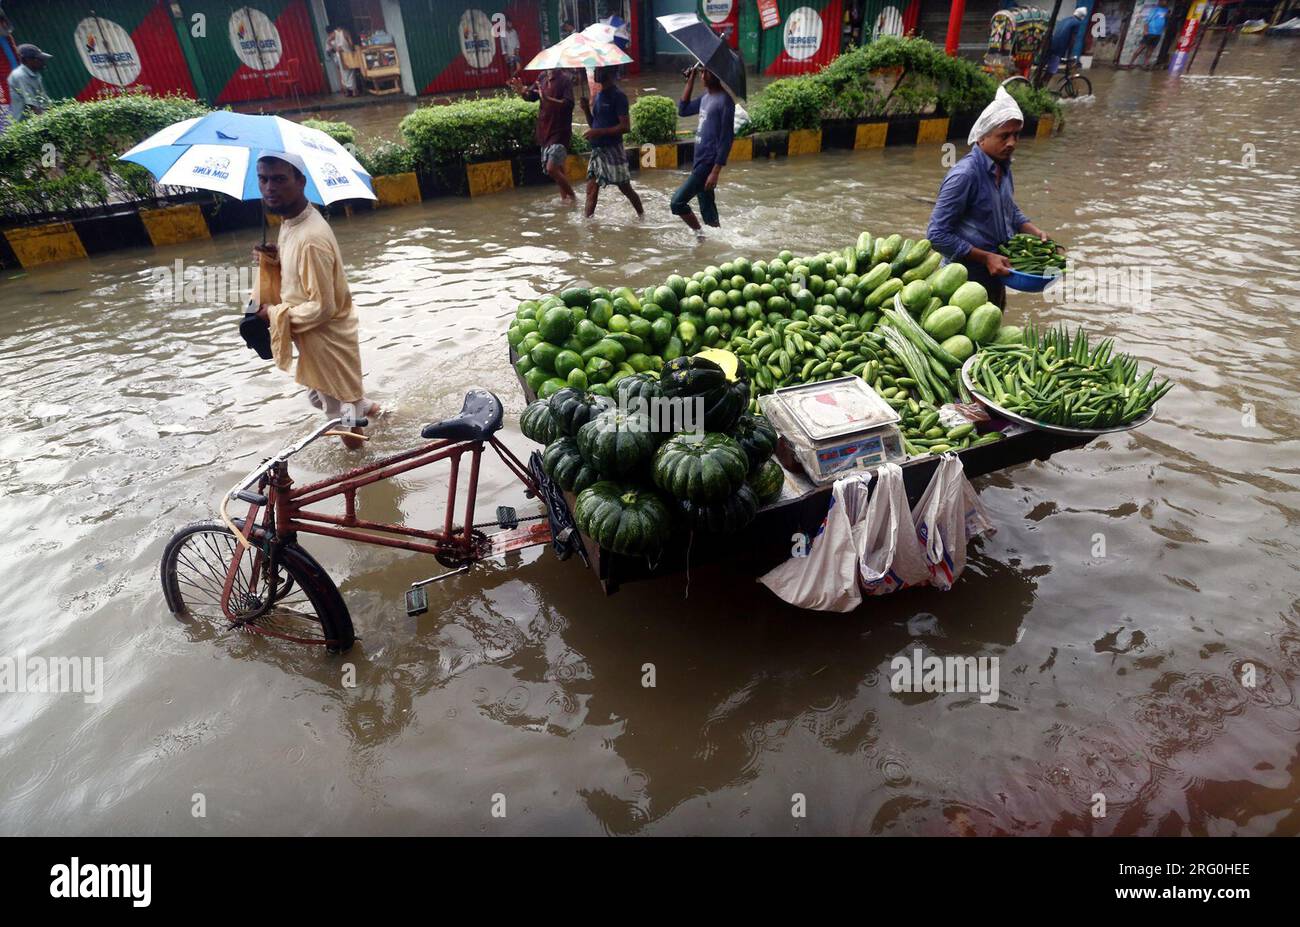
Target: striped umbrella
x,y
579,50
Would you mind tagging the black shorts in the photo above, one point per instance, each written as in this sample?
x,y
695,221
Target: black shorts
x,y
1151,40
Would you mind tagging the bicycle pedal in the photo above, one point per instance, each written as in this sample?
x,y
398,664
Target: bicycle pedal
x,y
417,601
507,517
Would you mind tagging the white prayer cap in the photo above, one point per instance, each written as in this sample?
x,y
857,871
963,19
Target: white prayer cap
x,y
286,156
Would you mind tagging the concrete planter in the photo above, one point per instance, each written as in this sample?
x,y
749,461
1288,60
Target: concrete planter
x,y
838,133
770,144
960,124
870,133
742,149
45,244
576,167
174,224
488,177
932,131
902,130
804,142
397,189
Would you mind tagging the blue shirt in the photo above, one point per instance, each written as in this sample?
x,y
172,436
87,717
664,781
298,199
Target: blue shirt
x,y
1156,17
1063,38
716,129
971,211
607,108
26,89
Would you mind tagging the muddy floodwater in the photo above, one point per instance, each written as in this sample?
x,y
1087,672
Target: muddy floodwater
x,y
1140,593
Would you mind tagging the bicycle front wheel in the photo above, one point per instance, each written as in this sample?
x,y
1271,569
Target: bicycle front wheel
x,y
1078,86
307,607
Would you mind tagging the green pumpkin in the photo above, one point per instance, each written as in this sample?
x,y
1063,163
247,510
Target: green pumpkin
x,y
617,443
644,386
757,437
707,469
623,517
691,376
767,481
538,424
572,408
564,463
726,517
723,406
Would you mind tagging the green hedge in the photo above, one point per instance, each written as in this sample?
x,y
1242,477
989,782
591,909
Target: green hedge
x,y
444,136
653,120
790,103
386,157
845,89
341,132
65,159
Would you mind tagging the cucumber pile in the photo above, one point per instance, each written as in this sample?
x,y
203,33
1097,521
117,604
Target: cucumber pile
x,y
1061,379
1031,255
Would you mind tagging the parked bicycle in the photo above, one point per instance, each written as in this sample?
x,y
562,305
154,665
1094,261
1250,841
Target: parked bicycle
x,y
250,573
1068,82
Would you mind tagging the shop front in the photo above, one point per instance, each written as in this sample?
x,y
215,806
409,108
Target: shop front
x,y
462,47
242,52
103,48
791,36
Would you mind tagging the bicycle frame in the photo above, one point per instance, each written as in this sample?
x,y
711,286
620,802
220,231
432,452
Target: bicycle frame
x,y
285,511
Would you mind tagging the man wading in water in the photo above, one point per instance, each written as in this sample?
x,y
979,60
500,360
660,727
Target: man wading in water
x,y
712,146
608,117
554,90
314,313
975,211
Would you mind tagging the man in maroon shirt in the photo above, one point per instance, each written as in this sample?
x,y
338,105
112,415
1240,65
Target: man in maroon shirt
x,y
554,124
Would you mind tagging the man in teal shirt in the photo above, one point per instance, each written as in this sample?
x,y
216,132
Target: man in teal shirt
x,y
27,94
1156,18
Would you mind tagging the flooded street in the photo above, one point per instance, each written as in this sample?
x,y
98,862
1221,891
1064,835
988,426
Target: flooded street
x,y
1130,585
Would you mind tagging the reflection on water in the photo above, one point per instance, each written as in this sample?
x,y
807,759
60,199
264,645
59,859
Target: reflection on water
x,y
1132,584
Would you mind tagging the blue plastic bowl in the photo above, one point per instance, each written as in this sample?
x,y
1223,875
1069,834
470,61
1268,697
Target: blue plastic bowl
x,y
1029,283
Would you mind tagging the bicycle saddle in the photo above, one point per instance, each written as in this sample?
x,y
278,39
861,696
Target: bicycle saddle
x,y
478,419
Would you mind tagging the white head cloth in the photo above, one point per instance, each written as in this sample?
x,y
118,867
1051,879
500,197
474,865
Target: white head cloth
x,y
1004,108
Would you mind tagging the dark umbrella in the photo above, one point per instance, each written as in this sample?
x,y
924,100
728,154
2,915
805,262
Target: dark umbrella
x,y
709,48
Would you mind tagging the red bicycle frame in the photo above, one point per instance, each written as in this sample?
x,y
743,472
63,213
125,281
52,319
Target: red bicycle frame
x,y
287,511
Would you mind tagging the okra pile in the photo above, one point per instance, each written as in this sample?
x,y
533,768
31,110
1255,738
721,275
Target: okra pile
x,y
1061,379
1031,255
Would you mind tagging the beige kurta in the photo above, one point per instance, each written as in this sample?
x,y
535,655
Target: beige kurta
x,y
315,310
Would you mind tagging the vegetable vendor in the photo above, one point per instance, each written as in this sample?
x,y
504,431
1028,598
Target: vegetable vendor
x,y
976,210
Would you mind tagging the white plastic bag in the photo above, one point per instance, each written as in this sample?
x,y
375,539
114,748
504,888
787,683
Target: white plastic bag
x,y
827,578
889,553
948,515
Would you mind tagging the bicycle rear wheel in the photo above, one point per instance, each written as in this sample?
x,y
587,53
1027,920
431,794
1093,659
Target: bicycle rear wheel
x,y
307,607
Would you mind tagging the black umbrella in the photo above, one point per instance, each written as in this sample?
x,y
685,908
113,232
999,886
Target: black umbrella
x,y
709,48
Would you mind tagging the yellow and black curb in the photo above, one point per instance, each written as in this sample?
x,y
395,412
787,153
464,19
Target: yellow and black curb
x,y
199,216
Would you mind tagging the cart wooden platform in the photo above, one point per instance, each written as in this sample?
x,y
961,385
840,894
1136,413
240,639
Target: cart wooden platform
x,y
802,506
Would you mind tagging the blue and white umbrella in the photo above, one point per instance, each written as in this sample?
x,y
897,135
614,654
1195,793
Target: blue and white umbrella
x,y
219,152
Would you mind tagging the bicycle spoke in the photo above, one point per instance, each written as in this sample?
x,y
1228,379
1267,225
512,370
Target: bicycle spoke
x,y
199,572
